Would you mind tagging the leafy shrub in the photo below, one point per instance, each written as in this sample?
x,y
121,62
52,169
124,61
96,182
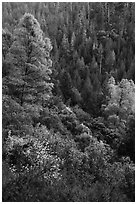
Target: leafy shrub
x,y
81,115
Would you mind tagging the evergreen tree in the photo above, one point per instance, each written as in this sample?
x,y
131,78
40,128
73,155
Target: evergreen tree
x,y
49,144
29,78
6,43
73,40
65,46
66,85
27,86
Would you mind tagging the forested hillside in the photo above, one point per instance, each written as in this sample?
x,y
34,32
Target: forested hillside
x,y
68,113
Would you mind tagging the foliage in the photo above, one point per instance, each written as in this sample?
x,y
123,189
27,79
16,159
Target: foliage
x,y
68,102
29,61
89,40
48,162
120,111
121,102
27,86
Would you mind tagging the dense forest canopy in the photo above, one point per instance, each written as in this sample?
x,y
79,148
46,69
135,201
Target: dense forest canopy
x,y
68,82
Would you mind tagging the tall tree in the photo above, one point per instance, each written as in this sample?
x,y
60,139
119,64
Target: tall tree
x,y
27,87
29,78
6,43
121,101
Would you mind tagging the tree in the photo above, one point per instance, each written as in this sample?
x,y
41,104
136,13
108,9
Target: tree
x,y
6,43
27,86
100,50
73,40
65,46
66,85
121,102
77,79
29,78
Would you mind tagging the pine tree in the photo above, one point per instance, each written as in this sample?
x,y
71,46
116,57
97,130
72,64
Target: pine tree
x,y
100,50
27,87
87,87
73,40
6,43
29,78
80,65
66,85
65,46
77,79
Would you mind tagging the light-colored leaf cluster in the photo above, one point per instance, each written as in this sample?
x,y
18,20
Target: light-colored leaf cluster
x,y
121,101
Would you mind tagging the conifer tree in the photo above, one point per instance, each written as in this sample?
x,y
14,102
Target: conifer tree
x,y
6,43
65,46
29,78
73,40
66,85
27,87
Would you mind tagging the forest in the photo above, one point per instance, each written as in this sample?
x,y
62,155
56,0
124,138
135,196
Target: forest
x,y
68,101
